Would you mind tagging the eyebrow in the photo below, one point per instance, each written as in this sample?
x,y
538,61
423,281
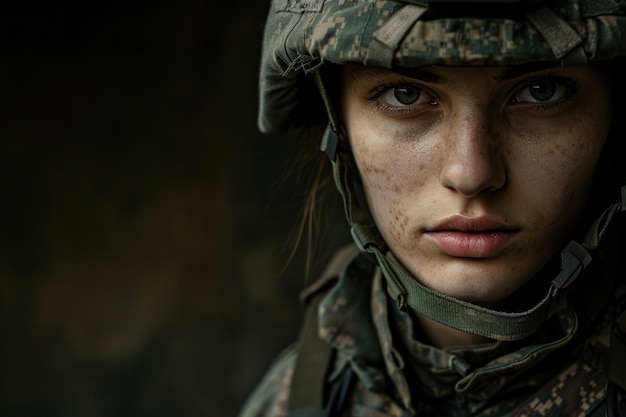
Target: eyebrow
x,y
417,73
523,69
512,72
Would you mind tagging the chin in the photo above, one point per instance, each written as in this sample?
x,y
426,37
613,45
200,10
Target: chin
x,y
474,281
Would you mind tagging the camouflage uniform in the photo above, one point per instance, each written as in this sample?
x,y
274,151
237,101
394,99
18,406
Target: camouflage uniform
x,y
550,357
554,372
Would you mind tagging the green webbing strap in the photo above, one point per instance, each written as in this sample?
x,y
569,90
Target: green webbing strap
x,y
471,318
330,140
306,396
565,42
386,39
602,223
345,175
495,324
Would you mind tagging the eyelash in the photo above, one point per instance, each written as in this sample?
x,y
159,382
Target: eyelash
x,y
571,86
384,88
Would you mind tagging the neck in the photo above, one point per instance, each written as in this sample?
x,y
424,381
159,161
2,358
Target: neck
x,y
445,337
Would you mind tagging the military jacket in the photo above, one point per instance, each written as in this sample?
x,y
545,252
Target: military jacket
x,y
556,372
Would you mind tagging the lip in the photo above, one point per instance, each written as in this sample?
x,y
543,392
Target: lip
x,y
471,237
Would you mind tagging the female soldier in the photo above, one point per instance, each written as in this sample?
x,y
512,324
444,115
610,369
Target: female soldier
x,y
478,153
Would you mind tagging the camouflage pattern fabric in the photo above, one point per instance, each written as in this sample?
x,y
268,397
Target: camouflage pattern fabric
x,y
398,376
301,35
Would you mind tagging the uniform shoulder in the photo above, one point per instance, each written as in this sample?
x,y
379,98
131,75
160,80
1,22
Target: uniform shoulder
x,y
270,397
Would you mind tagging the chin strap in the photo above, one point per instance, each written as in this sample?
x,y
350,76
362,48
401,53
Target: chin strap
x,y
471,318
450,311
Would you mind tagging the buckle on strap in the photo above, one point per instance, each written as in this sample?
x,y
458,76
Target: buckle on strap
x,y
574,258
330,143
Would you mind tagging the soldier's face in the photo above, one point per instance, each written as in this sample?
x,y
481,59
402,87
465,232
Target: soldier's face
x,y
476,177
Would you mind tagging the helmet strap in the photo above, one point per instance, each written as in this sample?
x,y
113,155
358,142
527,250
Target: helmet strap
x,y
334,132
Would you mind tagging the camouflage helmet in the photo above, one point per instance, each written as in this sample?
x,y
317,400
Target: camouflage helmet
x,y
301,35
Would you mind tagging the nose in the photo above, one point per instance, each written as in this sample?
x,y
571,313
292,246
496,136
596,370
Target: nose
x,y
473,160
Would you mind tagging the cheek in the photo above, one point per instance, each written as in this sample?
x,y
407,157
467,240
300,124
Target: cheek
x,y
562,162
580,156
392,173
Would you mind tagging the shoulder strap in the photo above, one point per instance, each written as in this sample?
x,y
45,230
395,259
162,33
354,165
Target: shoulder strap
x,y
307,393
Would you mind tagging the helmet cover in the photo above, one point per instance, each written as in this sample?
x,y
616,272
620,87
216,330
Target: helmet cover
x,y
301,35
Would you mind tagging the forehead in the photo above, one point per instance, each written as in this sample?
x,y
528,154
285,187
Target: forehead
x,y
442,74
437,71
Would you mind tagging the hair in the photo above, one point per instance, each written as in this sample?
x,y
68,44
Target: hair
x,y
316,166
315,207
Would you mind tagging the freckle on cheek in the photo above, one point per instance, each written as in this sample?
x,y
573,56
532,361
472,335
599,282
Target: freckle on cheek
x,y
560,149
397,224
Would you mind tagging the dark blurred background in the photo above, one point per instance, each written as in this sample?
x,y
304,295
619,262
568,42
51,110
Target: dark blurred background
x,y
145,223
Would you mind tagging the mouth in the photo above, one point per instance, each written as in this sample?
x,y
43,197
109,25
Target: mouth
x,y
471,237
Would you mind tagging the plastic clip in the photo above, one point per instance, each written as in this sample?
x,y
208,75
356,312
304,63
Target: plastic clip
x,y
330,143
574,258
